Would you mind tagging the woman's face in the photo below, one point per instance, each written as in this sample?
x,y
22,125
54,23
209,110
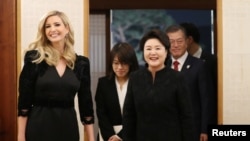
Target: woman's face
x,y
154,54
55,30
121,70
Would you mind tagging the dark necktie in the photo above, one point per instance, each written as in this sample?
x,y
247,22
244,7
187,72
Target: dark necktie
x,y
176,63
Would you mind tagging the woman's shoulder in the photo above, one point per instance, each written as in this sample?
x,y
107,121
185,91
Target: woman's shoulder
x,y
81,58
142,72
81,61
106,79
82,66
30,55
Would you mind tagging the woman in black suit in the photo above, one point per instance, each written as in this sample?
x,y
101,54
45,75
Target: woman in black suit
x,y
111,92
157,105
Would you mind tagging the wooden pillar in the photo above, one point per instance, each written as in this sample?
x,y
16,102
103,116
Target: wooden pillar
x,y
8,76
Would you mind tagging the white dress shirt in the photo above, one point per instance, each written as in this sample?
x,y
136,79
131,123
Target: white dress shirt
x,y
181,61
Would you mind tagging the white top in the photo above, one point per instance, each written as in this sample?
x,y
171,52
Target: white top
x,y
121,93
121,96
197,54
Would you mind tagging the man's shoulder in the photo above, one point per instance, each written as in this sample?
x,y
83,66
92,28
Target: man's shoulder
x,y
193,59
207,55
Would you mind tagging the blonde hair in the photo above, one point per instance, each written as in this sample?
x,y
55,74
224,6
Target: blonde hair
x,y
43,45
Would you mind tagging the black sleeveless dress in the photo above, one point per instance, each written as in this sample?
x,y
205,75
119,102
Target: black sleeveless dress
x,y
49,100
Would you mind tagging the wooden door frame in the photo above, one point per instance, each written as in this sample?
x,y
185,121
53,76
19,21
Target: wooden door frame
x,y
8,74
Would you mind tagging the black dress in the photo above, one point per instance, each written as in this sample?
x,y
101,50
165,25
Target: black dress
x,y
49,100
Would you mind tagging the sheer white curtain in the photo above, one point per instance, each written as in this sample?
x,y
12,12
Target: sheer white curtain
x,y
97,53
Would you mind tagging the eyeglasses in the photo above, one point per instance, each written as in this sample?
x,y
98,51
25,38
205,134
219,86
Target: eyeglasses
x,y
117,64
177,41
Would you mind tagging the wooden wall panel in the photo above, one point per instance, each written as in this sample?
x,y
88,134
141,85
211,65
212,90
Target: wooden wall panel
x,y
152,4
8,87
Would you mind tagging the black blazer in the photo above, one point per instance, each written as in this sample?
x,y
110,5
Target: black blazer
x,y
200,86
158,110
107,107
211,65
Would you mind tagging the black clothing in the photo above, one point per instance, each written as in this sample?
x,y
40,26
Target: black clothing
x,y
201,88
211,65
108,107
48,99
158,110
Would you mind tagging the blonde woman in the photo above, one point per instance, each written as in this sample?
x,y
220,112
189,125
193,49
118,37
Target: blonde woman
x,y
51,77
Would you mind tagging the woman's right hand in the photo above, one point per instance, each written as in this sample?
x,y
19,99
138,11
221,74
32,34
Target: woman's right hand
x,y
114,138
21,128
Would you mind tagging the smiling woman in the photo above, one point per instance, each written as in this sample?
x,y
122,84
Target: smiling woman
x,y
157,96
130,24
52,76
31,13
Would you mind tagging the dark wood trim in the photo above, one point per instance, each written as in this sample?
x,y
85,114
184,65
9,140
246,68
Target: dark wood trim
x,y
8,75
152,4
99,11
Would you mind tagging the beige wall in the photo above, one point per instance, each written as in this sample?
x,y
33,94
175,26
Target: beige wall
x,y
234,60
33,10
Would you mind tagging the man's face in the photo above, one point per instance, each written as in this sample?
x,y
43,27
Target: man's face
x,y
178,43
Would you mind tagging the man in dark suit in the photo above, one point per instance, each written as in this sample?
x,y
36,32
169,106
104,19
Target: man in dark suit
x,y
197,77
194,48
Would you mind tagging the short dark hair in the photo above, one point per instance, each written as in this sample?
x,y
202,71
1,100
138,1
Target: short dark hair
x,y
126,55
191,30
155,34
175,28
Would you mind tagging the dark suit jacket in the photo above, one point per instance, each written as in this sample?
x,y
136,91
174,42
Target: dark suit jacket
x,y
211,65
158,110
107,107
200,87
